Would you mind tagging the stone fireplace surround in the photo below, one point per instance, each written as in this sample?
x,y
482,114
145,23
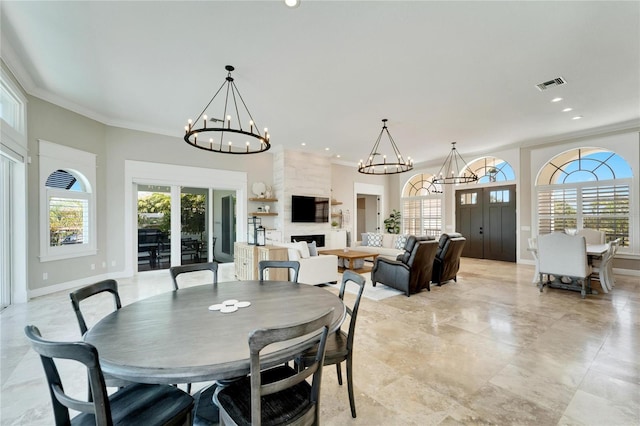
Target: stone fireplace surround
x,y
300,173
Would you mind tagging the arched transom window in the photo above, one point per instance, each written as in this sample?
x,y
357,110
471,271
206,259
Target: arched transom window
x,y
586,188
492,169
421,206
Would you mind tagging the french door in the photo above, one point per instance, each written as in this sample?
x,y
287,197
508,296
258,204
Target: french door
x,y
6,227
487,219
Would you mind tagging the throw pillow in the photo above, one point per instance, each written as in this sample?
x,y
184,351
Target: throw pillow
x,y
303,248
293,253
365,239
374,240
401,241
313,250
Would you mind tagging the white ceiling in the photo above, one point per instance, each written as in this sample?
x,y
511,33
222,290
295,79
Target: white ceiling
x,y
327,72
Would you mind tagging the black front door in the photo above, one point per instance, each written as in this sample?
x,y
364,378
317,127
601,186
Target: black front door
x,y
487,218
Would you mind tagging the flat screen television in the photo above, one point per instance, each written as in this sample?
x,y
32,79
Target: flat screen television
x,y
309,209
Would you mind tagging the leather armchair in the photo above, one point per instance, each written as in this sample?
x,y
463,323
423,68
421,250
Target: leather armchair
x,y
447,259
411,271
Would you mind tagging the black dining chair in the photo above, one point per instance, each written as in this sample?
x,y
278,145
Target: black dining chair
x,y
280,394
292,265
195,267
340,344
77,296
134,404
177,270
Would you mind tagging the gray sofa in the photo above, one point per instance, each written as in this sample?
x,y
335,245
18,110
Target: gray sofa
x,y
388,248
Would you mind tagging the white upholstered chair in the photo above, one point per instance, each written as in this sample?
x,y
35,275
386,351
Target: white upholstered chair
x,y
601,271
563,255
593,236
615,244
533,248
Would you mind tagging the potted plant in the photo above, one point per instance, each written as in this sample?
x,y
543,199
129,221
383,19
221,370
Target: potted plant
x,y
392,223
334,223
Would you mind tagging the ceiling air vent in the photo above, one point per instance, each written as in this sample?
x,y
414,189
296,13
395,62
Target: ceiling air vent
x,y
555,82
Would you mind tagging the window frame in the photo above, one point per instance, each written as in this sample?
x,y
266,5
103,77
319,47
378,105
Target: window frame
x,y
82,165
579,216
425,192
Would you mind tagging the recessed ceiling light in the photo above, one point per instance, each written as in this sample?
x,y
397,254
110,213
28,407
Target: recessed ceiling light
x,y
303,144
292,3
577,117
567,109
338,155
556,99
326,149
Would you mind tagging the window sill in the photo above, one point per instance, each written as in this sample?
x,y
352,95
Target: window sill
x,y
70,255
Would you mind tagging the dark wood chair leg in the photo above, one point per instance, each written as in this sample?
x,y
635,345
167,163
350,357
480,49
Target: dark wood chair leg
x,y
352,401
339,371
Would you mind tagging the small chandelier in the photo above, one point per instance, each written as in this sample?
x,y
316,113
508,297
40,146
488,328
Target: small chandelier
x,y
380,166
225,124
451,173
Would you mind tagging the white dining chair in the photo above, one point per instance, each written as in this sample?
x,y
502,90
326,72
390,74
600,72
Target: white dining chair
x,y
533,248
563,255
601,271
615,244
593,236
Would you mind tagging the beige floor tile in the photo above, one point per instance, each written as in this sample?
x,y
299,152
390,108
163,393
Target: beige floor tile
x,y
488,349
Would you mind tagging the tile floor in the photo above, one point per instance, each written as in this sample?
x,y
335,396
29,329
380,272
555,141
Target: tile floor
x,y
489,349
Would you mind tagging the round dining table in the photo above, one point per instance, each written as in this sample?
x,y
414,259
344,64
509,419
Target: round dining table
x,y
175,337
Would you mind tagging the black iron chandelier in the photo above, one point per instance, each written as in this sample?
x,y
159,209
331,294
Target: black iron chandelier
x,y
377,163
454,170
227,126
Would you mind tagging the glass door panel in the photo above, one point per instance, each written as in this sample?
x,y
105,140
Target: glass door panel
x,y
154,227
5,232
194,224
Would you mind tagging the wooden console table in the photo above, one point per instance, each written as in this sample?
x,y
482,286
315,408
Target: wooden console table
x,y
247,256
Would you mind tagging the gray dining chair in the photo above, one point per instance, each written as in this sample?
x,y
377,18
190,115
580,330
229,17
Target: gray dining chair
x,y
292,265
134,404
183,269
340,344
106,286
280,394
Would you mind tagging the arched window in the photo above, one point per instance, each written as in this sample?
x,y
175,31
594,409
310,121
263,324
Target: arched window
x,y
421,206
492,169
585,188
67,202
68,208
